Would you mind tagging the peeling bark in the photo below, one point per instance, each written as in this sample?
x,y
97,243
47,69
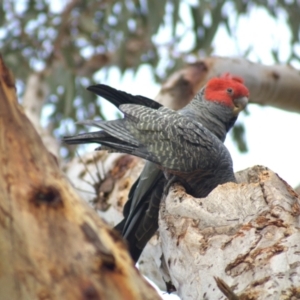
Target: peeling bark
x,y
53,245
246,235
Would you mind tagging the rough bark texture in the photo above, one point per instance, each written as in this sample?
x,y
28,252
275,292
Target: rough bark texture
x,y
243,237
52,245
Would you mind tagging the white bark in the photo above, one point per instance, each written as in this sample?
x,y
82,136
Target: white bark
x,y
245,234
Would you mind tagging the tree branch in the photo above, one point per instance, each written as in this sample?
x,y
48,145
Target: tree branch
x,y
277,85
246,234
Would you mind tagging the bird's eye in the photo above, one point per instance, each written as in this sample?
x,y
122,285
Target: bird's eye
x,y
230,91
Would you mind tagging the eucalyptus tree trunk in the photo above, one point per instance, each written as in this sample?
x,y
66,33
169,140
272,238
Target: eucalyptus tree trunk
x,y
52,244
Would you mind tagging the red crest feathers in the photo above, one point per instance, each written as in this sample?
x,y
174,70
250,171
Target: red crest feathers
x,y
225,89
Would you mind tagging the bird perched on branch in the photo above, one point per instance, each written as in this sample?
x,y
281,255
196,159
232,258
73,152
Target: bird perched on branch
x,y
184,146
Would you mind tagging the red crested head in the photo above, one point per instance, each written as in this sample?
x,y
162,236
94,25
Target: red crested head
x,y
228,90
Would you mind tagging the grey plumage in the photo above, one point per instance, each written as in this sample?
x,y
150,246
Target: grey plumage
x,y
173,141
181,146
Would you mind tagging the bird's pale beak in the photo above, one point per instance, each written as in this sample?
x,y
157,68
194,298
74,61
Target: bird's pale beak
x,y
240,103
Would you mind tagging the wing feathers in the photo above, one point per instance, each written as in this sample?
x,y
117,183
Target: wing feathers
x,y
162,136
117,97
